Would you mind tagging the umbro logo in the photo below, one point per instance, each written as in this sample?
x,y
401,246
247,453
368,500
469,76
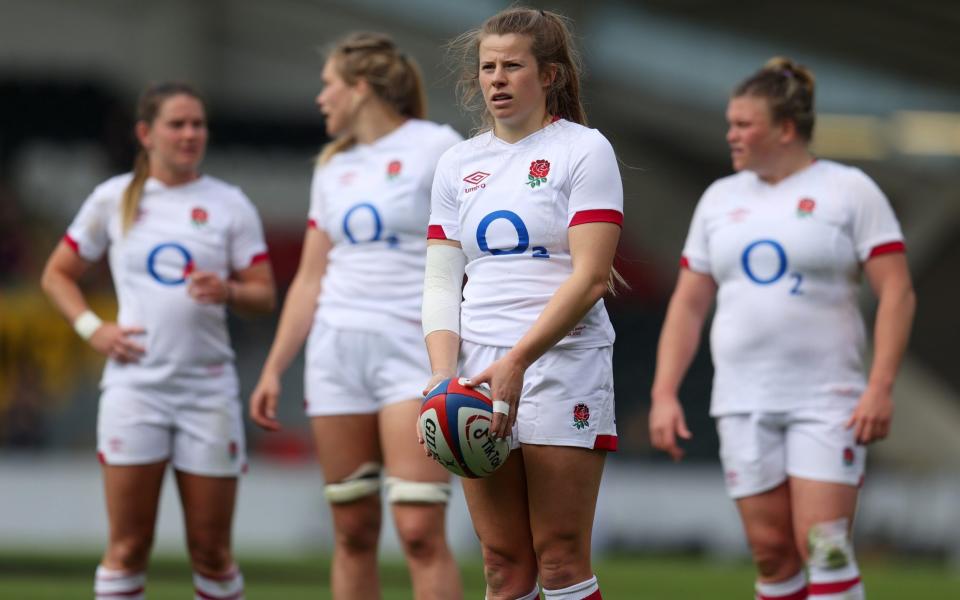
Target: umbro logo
x,y
475,180
476,177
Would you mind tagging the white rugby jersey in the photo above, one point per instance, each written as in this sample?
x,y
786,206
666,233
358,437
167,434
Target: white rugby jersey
x,y
787,259
204,225
373,200
509,206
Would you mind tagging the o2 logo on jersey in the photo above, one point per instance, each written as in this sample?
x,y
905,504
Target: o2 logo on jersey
x,y
523,236
358,232
771,254
170,263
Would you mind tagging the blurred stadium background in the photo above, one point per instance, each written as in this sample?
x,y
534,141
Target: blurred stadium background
x,y
658,76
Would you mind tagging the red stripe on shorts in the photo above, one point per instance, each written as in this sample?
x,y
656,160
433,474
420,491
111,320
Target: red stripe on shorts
x,y
600,215
594,596
834,587
888,248
605,442
435,232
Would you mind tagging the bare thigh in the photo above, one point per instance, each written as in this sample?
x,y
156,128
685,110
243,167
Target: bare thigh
x,y
562,484
768,524
208,506
819,502
132,495
498,509
403,456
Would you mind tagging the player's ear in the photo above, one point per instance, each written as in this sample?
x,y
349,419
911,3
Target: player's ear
x,y
788,130
142,131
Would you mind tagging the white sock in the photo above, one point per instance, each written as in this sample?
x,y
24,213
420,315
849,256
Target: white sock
x,y
534,594
846,589
111,584
226,587
794,588
585,590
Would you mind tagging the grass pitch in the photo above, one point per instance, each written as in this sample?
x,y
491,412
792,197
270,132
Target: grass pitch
x,y
646,577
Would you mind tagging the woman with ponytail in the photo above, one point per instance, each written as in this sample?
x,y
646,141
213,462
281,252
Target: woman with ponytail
x,y
782,246
530,210
183,247
355,301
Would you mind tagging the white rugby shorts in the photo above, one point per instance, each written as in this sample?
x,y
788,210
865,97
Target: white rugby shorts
x,y
759,450
359,372
567,395
199,431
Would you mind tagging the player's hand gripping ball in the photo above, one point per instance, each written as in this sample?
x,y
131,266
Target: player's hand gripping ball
x,y
455,426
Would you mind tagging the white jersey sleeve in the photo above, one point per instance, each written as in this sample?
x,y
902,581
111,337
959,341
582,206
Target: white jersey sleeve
x,y
89,234
444,202
696,249
875,227
315,213
596,190
247,245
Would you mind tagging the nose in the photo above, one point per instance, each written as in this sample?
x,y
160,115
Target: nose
x,y
499,78
319,100
731,135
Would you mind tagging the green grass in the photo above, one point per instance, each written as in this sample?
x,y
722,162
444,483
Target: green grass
x,y
646,577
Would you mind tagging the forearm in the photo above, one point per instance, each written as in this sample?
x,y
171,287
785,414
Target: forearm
x,y
296,319
257,297
64,292
679,340
892,327
571,302
443,348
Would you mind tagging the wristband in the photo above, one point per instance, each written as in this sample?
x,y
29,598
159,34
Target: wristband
x,y
86,324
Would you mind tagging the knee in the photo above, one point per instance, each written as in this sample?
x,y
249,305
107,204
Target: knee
x,y
560,559
775,554
508,573
358,533
129,553
209,558
422,539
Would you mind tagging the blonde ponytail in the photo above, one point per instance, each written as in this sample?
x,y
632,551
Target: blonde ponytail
x,y
134,191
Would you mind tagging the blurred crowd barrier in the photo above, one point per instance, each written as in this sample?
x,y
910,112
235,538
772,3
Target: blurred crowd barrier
x,y
54,503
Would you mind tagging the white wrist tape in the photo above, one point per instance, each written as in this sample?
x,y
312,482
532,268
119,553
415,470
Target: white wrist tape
x,y
86,324
442,285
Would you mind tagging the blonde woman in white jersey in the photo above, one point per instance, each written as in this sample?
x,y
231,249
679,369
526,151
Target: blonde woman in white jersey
x,y
356,296
782,246
182,248
531,211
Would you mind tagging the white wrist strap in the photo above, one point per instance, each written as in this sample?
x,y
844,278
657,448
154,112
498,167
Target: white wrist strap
x,y
87,324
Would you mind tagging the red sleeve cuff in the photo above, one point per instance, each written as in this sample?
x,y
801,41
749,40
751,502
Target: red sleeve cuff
x,y
888,248
259,258
684,263
312,224
71,242
600,215
435,232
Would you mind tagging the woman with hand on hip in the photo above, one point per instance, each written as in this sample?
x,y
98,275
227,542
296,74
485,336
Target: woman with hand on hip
x,y
530,210
782,245
355,300
183,247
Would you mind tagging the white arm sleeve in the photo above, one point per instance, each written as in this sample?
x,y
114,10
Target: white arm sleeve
x,y
442,288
